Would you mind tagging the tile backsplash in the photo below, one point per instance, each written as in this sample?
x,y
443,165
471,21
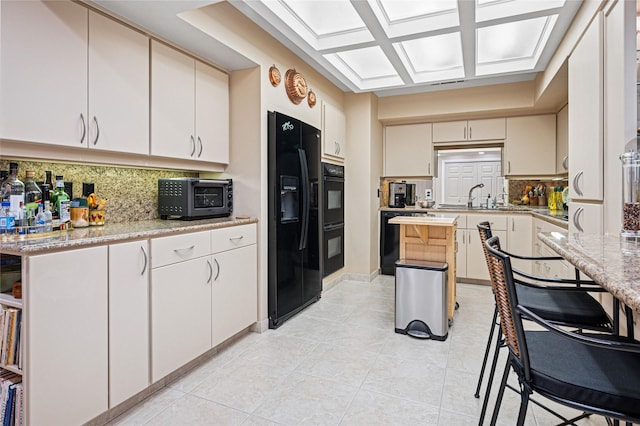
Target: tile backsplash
x,y
132,192
517,187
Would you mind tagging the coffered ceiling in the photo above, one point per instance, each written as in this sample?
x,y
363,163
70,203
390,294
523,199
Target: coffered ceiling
x,y
406,46
389,47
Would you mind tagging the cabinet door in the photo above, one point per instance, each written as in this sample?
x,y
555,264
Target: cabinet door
x,y
562,140
67,336
476,260
128,320
333,131
43,75
212,114
461,254
172,103
234,304
408,150
180,314
118,87
586,127
530,146
586,218
519,240
487,129
451,131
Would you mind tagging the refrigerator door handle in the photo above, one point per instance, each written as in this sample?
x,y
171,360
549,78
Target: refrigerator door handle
x,y
305,198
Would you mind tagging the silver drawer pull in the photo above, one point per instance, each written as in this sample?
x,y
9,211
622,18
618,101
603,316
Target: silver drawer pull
x,y
184,249
236,238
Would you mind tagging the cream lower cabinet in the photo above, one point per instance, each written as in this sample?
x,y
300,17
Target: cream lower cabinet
x,y
67,321
180,313
128,320
519,240
473,255
548,268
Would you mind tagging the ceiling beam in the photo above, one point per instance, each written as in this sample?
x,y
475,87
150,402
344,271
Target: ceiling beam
x,y
467,11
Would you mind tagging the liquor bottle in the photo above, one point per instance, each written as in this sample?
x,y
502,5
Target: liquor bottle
x,y
61,200
32,192
3,176
48,216
14,190
48,181
7,221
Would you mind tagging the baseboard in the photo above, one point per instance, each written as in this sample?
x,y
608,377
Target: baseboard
x,y
260,326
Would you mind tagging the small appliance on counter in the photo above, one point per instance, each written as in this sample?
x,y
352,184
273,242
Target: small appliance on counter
x,y
402,194
193,198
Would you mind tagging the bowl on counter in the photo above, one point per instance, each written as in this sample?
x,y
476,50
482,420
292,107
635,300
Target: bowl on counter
x,y
427,204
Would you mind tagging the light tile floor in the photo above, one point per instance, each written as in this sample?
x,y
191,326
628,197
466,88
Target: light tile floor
x,y
340,362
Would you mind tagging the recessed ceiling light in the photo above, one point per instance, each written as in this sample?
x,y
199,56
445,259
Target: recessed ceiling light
x,y
481,152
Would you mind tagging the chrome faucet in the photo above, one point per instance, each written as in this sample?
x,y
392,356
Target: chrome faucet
x,y
470,202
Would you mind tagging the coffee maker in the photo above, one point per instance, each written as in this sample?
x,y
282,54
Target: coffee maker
x,y
401,194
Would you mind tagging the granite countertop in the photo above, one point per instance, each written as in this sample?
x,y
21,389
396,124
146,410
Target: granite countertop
x,y
111,233
604,259
430,219
557,217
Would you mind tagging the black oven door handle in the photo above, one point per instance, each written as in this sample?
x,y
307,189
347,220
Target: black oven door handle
x,y
304,170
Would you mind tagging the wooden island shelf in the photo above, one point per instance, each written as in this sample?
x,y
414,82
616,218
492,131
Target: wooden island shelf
x,y
431,237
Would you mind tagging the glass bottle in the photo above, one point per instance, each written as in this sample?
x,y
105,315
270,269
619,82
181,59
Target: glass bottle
x,y
48,216
61,200
7,221
48,181
14,190
3,176
630,200
32,192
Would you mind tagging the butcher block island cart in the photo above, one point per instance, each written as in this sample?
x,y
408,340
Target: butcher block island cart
x,y
431,237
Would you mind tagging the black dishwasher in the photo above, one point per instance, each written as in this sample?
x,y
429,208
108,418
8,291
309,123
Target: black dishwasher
x,y
389,241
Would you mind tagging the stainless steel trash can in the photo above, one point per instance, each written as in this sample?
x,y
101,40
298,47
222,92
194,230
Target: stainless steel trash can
x,y
421,299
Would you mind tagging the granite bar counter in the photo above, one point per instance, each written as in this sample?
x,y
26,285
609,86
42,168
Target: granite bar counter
x,y
603,260
556,217
110,233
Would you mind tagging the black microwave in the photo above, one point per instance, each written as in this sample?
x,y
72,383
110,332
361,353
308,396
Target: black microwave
x,y
193,198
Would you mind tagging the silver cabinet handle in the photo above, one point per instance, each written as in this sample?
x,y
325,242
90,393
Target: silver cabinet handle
x,y
470,131
218,269
509,166
236,238
428,168
465,133
184,249
210,272
95,120
576,187
193,146
146,261
576,219
513,225
84,129
564,162
200,143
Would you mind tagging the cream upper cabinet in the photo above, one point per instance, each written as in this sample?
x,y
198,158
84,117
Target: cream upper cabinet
x,y
562,140
333,131
469,130
189,107
586,125
408,150
83,83
212,114
118,118
43,75
530,146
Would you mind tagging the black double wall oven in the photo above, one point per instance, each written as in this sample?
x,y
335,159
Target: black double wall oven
x,y
332,218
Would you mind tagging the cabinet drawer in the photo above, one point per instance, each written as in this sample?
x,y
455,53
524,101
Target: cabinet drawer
x,y
178,248
498,222
232,237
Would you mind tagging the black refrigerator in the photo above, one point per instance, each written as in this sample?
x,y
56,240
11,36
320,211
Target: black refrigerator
x,y
295,270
